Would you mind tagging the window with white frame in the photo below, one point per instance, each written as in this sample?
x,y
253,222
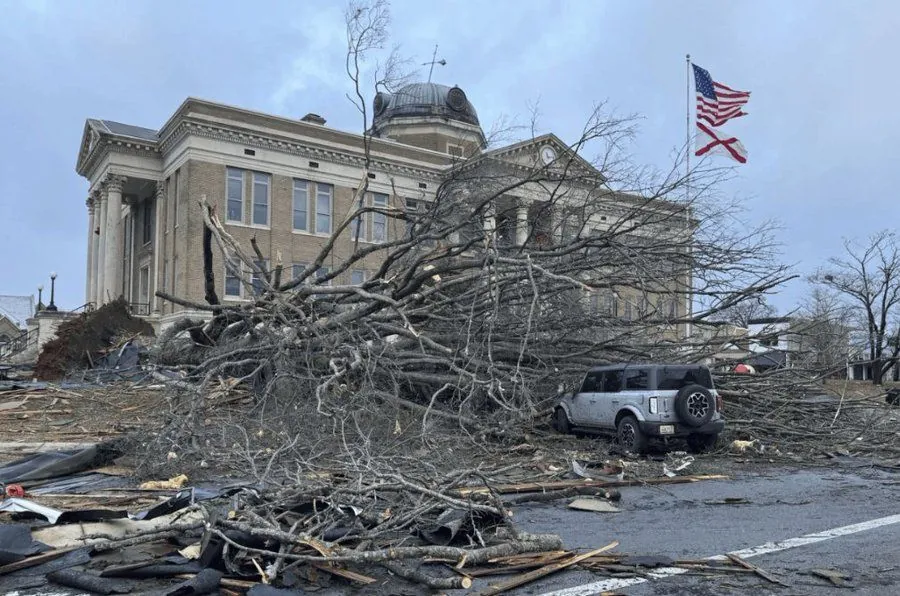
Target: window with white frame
x,y
379,220
297,270
301,205
144,284
324,195
235,193
260,199
232,281
147,222
256,279
357,277
412,209
321,274
358,225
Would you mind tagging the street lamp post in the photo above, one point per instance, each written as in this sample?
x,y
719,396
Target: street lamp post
x,y
52,305
40,304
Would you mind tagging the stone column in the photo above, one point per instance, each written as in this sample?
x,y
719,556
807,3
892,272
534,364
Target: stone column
x,y
113,257
100,268
521,223
89,271
95,247
158,253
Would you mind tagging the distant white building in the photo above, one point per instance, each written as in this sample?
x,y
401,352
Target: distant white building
x,y
14,314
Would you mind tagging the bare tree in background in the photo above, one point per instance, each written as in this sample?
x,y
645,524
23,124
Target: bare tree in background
x,y
867,277
742,313
823,329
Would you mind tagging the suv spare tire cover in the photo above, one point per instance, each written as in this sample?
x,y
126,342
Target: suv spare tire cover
x,y
695,405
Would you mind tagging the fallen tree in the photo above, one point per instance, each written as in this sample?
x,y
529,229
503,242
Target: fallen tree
x,y
487,298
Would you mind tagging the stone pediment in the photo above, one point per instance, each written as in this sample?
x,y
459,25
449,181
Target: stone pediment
x,y
546,151
100,135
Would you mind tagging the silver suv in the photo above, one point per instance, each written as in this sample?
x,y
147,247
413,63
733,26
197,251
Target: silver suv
x,y
646,401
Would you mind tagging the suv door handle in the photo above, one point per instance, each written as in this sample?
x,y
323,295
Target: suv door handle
x,y
614,401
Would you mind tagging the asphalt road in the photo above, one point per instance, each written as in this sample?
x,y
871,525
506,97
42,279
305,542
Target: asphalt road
x,y
677,521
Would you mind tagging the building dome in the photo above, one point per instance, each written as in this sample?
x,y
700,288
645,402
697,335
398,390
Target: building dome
x,y
423,100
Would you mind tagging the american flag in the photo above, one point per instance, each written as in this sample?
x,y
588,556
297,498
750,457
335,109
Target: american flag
x,y
717,103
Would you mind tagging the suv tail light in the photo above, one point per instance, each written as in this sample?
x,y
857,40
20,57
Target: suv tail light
x,y
654,405
720,404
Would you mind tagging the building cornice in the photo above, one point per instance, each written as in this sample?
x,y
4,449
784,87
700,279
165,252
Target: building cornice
x,y
237,135
105,145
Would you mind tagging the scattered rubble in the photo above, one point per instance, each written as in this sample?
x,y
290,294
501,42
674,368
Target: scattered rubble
x,y
358,526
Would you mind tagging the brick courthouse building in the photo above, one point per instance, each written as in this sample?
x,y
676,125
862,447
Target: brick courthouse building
x,y
288,182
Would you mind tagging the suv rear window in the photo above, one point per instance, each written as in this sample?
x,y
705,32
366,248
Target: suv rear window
x,y
676,377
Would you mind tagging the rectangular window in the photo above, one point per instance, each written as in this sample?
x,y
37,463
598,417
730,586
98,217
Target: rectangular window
x,y
358,225
235,192
260,199
147,222
232,284
321,274
676,377
379,220
455,150
612,304
612,381
301,205
593,383
144,284
256,279
297,270
357,277
323,208
412,207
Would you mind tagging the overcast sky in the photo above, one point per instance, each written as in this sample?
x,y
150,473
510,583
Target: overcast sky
x,y
823,153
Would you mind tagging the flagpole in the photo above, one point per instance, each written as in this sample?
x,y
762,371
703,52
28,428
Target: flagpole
x,y
687,125
688,328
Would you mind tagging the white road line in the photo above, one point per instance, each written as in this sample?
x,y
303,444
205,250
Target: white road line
x,y
763,549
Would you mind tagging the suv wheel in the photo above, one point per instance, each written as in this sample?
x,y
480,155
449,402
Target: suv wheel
x,y
695,405
631,437
701,443
561,420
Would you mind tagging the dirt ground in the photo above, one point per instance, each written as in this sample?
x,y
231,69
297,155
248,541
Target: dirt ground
x,y
83,415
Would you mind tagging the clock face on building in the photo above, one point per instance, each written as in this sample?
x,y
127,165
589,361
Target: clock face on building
x,y
548,154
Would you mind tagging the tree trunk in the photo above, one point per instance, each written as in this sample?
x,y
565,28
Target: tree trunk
x,y
877,371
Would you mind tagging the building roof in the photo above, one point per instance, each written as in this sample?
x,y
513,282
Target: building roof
x,y
127,130
422,100
17,309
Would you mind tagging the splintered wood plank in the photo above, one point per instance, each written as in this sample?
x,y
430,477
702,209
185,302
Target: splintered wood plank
x,y
530,576
760,572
